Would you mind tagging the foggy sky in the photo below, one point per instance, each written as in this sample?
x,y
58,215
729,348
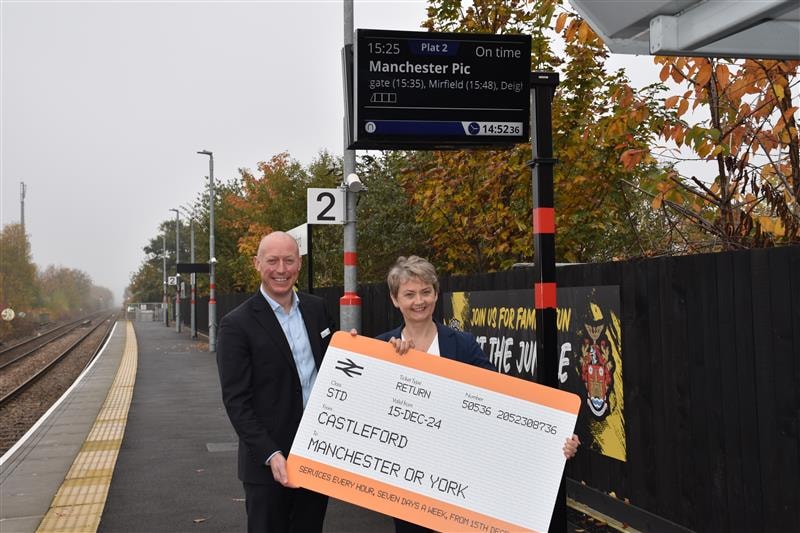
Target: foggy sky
x,y
105,104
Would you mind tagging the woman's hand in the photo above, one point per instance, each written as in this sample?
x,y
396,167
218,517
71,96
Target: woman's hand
x,y
571,446
401,346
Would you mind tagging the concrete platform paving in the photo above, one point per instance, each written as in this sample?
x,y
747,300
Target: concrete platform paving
x,y
176,469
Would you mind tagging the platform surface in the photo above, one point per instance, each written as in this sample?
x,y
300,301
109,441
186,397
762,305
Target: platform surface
x,y
177,466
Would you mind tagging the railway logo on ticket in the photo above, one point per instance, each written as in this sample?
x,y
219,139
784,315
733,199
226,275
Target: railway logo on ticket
x,y
429,440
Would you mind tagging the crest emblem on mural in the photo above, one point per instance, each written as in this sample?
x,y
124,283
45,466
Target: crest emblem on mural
x,y
596,370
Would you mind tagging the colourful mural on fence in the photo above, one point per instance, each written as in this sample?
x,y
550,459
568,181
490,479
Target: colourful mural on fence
x,y
589,349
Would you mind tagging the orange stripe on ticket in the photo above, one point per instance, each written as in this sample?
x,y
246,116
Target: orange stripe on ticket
x,y
390,500
447,368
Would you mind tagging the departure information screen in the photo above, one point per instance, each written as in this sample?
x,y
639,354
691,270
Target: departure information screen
x,y
420,90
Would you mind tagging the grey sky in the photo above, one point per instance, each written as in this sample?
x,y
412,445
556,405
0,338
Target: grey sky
x,y
105,104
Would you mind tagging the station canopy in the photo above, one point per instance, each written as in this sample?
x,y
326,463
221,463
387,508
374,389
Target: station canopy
x,y
711,28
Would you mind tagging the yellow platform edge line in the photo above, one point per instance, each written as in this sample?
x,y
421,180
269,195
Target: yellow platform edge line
x,y
79,502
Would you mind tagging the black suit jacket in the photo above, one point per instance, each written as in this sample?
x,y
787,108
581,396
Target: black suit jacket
x,y
456,345
260,386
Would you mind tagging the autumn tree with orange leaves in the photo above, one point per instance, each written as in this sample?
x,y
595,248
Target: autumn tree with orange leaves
x,y
269,199
476,205
618,190
19,289
747,192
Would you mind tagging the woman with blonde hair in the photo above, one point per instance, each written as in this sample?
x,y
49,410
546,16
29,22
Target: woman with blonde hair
x,y
414,289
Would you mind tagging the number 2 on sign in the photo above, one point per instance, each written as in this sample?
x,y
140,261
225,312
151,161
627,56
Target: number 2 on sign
x,y
325,206
323,215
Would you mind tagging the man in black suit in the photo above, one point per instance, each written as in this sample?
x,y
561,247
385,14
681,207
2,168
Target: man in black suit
x,y
268,352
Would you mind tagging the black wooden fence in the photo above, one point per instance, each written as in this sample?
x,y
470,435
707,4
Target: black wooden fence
x,y
711,348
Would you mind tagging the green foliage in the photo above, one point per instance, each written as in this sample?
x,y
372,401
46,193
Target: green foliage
x,y
387,226
146,284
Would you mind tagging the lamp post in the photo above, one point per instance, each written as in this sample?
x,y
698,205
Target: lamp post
x,y
193,276
165,304
212,289
177,274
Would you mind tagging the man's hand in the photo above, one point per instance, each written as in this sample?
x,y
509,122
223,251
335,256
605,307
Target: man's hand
x,y
278,466
571,446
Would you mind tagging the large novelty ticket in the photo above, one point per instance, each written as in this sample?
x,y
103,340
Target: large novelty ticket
x,y
440,443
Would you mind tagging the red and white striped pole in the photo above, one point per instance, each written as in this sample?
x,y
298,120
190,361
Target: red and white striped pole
x,y
350,302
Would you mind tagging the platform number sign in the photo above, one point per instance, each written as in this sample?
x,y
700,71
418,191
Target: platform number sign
x,y
325,206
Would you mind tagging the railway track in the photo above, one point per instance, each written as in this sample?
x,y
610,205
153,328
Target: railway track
x,y
33,376
19,350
